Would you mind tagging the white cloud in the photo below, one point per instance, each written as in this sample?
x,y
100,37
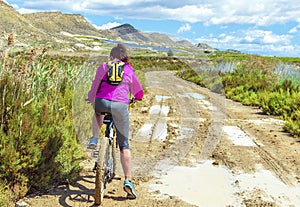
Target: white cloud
x,y
184,28
220,12
255,36
295,29
26,11
265,37
253,41
108,25
22,10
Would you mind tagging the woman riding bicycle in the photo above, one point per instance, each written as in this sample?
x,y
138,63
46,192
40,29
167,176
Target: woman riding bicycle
x,y
114,99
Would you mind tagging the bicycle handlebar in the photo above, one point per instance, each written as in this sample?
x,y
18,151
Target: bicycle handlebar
x,y
131,100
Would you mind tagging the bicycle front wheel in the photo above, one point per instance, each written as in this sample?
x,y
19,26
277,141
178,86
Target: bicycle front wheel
x,y
100,180
113,150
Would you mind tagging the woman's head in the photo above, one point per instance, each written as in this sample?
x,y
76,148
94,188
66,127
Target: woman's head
x,y
119,52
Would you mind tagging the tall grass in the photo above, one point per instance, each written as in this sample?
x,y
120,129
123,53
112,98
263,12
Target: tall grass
x,y
38,144
288,72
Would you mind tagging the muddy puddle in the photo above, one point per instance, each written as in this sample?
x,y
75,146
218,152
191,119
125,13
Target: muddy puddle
x,y
211,184
201,99
238,136
207,184
159,110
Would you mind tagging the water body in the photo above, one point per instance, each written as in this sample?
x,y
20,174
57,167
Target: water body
x,y
135,45
159,110
196,95
238,136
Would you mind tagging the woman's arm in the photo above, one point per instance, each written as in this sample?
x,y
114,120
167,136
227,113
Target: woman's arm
x,y
136,88
96,83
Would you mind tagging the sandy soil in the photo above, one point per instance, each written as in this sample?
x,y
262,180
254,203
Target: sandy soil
x,y
172,127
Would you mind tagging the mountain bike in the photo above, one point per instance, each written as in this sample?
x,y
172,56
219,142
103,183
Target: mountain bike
x,y
105,164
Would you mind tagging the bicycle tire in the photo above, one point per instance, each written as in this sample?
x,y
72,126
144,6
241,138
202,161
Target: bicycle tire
x,y
114,148
100,181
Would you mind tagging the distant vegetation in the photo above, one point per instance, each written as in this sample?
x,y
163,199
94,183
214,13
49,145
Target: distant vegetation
x,y
271,83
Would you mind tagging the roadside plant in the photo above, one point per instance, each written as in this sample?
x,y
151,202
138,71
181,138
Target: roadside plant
x,y
37,137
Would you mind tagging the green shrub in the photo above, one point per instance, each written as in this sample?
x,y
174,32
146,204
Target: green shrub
x,y
37,136
241,94
293,123
282,103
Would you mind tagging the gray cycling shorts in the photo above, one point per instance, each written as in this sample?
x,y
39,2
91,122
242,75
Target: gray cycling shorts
x,y
120,116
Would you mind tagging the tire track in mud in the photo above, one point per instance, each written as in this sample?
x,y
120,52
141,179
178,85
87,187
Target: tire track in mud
x,y
157,119
217,121
278,169
270,161
266,157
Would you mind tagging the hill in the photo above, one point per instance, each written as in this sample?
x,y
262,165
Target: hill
x,y
24,32
127,32
161,39
59,23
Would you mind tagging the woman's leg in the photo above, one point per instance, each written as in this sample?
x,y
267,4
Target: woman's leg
x,y
121,119
126,163
97,123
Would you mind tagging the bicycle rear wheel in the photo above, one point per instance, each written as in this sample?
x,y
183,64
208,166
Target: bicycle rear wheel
x,y
100,180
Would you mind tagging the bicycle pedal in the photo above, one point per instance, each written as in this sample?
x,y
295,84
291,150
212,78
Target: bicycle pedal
x,y
95,153
95,167
117,178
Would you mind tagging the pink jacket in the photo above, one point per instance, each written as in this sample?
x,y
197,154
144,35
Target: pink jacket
x,y
120,93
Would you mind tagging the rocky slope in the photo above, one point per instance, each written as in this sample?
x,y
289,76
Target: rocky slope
x,y
57,23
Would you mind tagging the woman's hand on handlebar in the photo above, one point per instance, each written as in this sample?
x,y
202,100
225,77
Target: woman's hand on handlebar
x,y
88,101
133,100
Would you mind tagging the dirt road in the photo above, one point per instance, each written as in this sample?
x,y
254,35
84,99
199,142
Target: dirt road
x,y
192,147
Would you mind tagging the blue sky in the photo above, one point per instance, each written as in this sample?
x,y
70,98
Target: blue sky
x,y
265,27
